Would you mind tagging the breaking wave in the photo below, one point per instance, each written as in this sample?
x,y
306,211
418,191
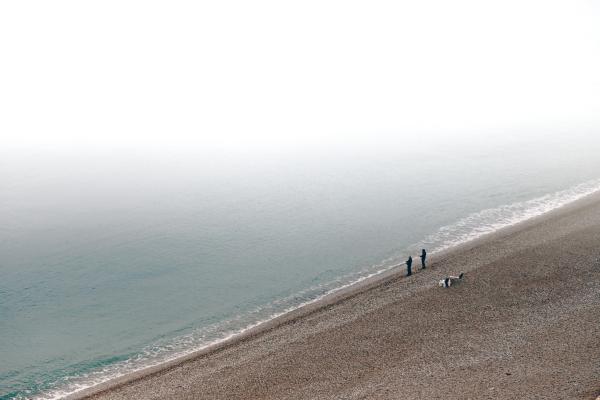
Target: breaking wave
x,y
490,220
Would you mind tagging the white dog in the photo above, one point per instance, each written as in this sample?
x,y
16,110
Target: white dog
x,y
447,282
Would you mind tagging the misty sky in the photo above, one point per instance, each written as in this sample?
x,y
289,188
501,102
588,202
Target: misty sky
x,y
81,74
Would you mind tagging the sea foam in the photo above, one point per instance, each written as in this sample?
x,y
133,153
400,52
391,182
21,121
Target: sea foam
x,y
491,220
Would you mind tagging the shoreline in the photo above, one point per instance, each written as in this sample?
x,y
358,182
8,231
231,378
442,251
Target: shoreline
x,y
329,300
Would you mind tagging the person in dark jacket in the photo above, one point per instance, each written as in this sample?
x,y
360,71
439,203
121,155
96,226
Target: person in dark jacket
x,y
409,266
423,257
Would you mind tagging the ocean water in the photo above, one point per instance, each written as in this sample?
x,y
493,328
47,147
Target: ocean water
x,y
115,261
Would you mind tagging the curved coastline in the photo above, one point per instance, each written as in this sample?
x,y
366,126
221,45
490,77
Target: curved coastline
x,y
331,299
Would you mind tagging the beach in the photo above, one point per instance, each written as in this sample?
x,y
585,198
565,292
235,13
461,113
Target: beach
x,y
524,323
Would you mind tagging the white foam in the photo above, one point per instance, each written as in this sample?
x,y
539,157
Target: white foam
x,y
491,220
464,230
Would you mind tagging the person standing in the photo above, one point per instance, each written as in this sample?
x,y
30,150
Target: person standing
x,y
409,266
423,257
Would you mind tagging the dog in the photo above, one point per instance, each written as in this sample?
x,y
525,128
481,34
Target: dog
x,y
447,282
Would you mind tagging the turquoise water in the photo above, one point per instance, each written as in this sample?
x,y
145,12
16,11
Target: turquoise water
x,y
114,261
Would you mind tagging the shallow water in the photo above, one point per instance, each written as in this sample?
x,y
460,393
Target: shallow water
x,y
115,261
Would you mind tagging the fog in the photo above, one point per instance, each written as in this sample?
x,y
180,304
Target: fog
x,y
237,78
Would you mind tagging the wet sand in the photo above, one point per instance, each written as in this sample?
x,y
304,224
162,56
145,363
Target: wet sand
x,y
524,324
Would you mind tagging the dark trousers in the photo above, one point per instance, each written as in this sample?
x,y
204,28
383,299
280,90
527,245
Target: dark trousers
x,y
423,263
408,270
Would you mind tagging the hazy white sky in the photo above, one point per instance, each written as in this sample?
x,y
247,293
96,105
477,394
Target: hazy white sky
x,y
178,73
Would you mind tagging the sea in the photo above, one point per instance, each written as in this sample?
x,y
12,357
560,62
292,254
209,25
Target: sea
x,y
114,260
